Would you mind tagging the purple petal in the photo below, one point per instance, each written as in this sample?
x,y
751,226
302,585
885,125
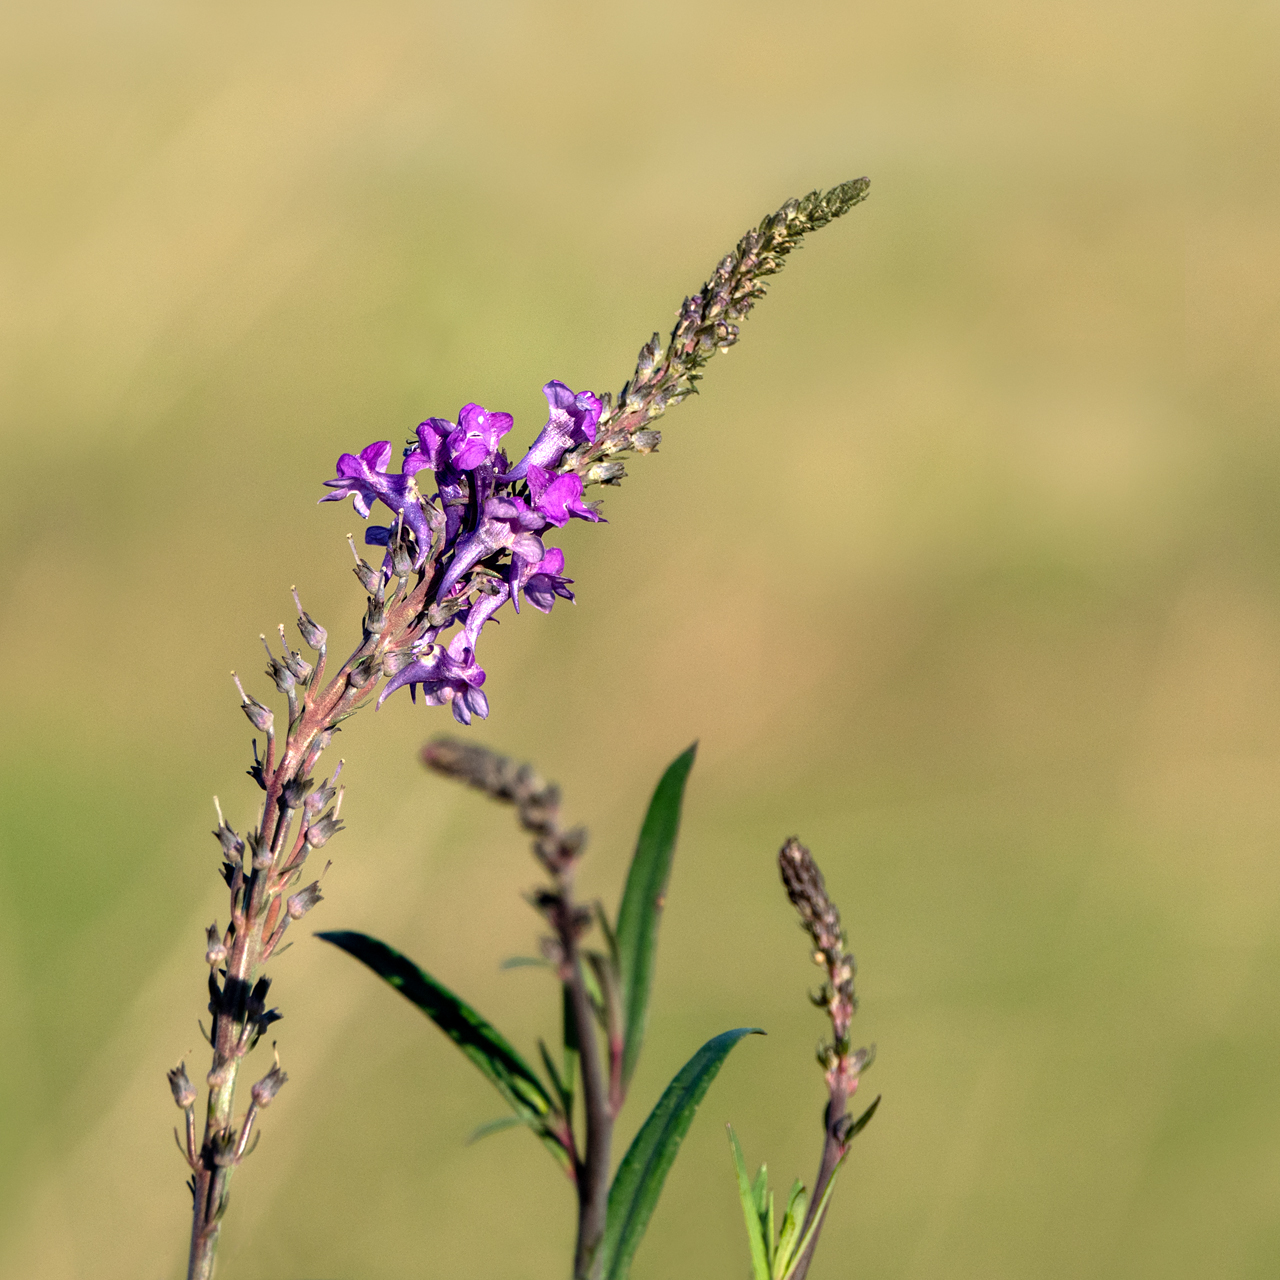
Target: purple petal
x,y
571,421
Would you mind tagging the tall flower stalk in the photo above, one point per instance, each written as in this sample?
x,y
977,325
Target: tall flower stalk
x,y
455,551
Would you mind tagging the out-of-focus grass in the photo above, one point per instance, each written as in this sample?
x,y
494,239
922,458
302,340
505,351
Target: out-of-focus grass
x,y
964,569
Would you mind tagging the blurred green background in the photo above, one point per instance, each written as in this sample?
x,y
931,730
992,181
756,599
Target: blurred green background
x,y
965,568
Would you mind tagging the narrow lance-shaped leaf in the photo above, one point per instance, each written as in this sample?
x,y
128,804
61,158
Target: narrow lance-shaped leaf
x,y
806,1241
789,1236
755,1231
493,1126
487,1048
638,1182
642,901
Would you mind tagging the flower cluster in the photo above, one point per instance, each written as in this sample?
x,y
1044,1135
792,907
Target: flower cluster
x,y
477,540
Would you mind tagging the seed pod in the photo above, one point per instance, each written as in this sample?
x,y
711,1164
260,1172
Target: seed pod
x,y
301,902
184,1093
320,832
606,473
269,1086
294,791
312,632
217,951
260,717
299,667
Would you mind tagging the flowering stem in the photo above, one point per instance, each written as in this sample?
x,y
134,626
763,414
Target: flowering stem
x,y
259,874
558,852
821,920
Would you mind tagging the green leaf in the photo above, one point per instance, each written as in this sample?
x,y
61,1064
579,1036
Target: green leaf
x,y
487,1048
493,1126
814,1227
638,1182
642,903
861,1122
789,1236
746,1193
561,1089
523,962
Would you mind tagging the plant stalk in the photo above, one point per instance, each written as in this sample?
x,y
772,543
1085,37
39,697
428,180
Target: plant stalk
x,y
593,1177
251,896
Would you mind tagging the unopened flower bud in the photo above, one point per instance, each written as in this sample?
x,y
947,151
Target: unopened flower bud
x,y
301,902
269,1086
217,951
312,632
184,1093
646,441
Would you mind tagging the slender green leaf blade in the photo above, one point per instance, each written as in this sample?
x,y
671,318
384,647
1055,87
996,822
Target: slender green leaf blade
x,y
789,1236
638,1182
487,1048
861,1122
642,901
760,1188
746,1193
494,1126
819,1213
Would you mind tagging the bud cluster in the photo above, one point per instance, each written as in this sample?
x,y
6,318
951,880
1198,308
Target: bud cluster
x,y
821,921
706,323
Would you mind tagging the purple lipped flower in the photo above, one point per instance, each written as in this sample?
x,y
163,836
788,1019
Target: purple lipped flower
x,y
556,498
431,451
363,478
545,583
469,443
446,675
448,449
571,422
507,524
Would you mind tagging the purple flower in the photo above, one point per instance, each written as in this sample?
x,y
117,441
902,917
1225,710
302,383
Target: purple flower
x,y
446,675
431,451
363,478
571,422
475,440
507,524
470,444
545,583
556,498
